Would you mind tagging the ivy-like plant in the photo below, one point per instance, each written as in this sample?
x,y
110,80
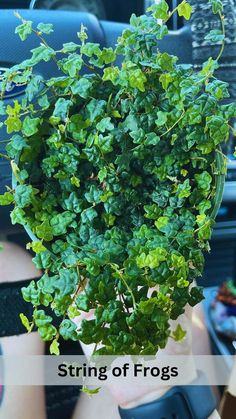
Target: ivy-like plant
x,y
119,174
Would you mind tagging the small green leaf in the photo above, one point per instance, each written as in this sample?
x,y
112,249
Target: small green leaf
x,y
44,231
89,391
160,10
105,125
62,107
75,181
46,28
36,246
26,323
54,347
73,64
82,34
30,126
217,6
82,87
42,53
68,330
215,35
161,118
23,195
161,223
6,199
24,30
90,49
102,174
178,334
185,10
82,302
137,79
204,180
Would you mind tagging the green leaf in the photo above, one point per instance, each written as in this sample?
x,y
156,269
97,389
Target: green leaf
x,y
90,391
31,294
137,79
204,180
147,307
107,55
54,347
26,323
23,195
161,118
68,330
182,283
41,318
178,334
82,34
161,223
215,35
33,87
46,28
184,189
43,102
82,87
165,80
111,74
60,222
47,332
96,109
6,199
44,231
217,6
30,126
36,246
18,216
13,122
105,125
24,30
73,64
82,302
102,174
88,215
160,10
152,139
196,296
152,211
92,267
41,53
75,181
93,195
166,62
62,107
152,259
90,49
73,312
185,10
70,47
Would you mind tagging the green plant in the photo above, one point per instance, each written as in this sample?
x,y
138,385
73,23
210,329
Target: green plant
x,y
119,174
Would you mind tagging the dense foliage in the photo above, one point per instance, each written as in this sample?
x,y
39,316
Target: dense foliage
x,y
118,174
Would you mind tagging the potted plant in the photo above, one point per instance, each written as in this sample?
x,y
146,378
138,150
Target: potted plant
x,y
118,176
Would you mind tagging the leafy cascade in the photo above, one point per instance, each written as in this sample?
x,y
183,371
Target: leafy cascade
x,y
118,173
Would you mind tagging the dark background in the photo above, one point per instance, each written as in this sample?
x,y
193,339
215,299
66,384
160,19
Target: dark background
x,y
115,11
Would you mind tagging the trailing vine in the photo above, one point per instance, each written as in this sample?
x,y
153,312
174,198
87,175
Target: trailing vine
x,y
118,174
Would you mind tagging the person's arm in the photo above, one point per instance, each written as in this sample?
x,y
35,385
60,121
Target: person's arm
x,y
20,402
228,403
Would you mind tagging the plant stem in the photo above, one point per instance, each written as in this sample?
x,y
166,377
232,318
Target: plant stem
x,y
222,19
